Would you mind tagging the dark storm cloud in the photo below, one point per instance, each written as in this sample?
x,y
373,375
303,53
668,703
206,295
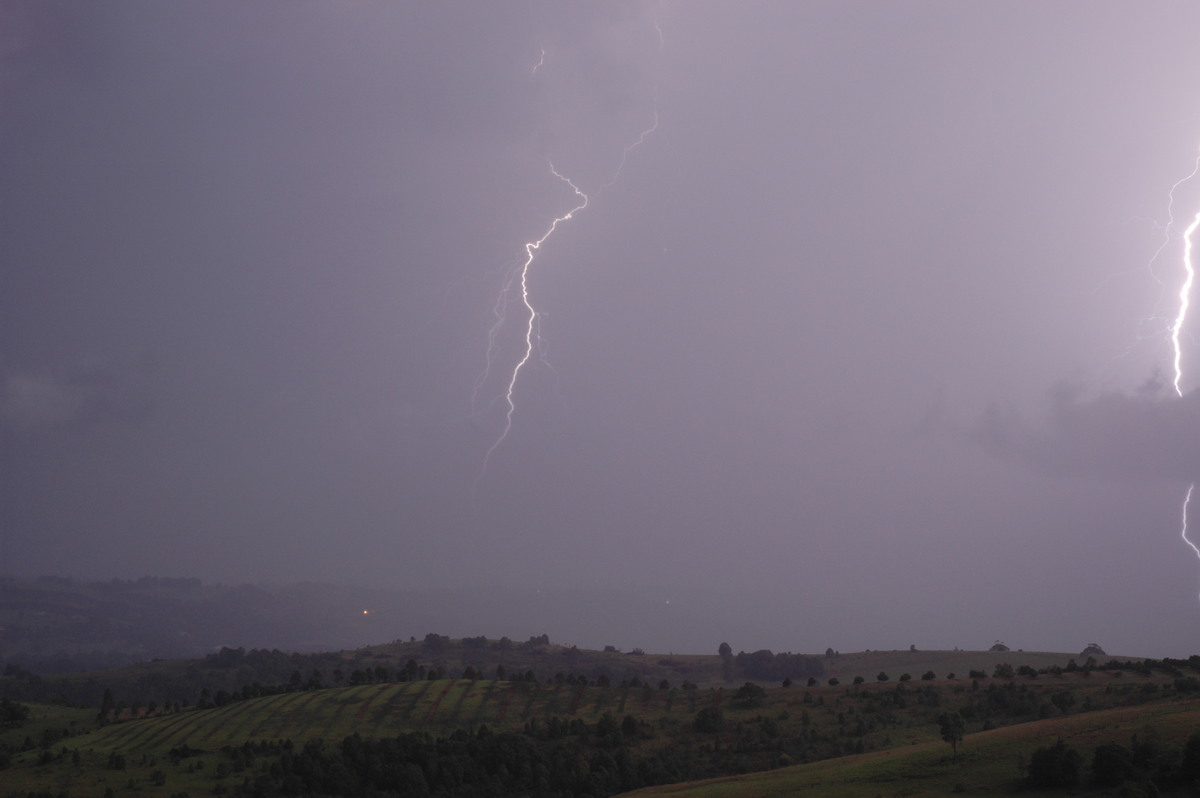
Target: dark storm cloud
x,y
1133,437
250,254
92,396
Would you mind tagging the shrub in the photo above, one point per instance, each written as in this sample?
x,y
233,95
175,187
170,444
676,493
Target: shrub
x,y
1056,766
1111,765
749,696
709,720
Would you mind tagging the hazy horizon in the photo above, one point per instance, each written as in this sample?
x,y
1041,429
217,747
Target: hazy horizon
x,y
863,338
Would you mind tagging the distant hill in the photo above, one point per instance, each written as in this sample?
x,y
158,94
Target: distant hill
x,y
55,625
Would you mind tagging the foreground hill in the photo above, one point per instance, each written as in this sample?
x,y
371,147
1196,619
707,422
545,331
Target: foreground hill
x,y
572,736
993,762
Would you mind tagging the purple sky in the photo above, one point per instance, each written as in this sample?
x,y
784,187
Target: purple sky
x,y
863,339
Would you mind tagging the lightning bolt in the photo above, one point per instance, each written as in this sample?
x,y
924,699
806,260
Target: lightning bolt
x,y
1185,293
1185,290
1183,533
1185,296
531,321
519,277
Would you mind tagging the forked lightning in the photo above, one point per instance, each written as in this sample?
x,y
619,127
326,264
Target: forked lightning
x,y
531,248
520,277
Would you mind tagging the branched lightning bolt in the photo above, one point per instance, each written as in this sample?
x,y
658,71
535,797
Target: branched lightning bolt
x,y
630,148
500,312
522,277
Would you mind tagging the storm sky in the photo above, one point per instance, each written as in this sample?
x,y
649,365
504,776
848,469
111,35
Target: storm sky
x,y
866,343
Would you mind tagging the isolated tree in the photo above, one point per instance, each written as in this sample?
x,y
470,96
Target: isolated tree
x,y
726,653
107,705
952,727
749,696
883,677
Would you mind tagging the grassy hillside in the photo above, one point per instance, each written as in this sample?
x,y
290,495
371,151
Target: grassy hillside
x,y
652,735
989,763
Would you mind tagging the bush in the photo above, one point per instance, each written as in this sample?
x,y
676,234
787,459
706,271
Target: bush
x,y
1056,766
883,677
749,696
709,720
1111,765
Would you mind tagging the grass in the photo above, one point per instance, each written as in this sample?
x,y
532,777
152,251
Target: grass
x,y
989,763
904,755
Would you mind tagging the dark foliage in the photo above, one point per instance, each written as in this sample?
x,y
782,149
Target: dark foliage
x,y
1112,764
1058,765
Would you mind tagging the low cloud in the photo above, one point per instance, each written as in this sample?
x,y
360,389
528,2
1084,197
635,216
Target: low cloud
x,y
39,401
1144,437
36,401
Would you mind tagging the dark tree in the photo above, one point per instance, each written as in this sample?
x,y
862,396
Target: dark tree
x,y
709,720
883,677
1189,768
726,653
1111,765
1056,766
14,714
952,727
750,696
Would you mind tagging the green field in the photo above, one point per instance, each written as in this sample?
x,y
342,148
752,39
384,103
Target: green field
x,y
989,763
892,723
